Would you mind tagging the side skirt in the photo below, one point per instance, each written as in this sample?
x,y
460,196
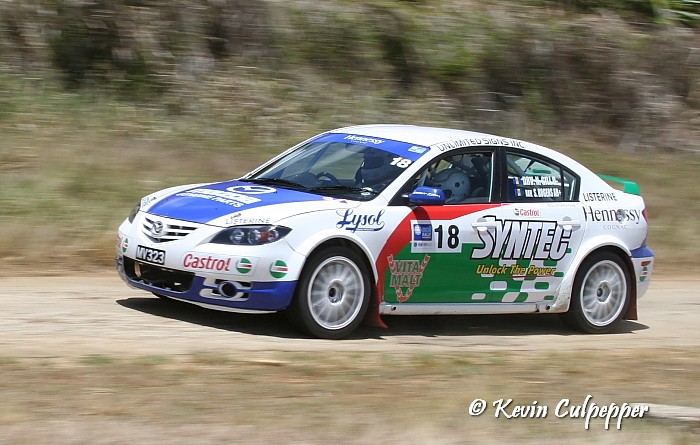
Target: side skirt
x,y
463,308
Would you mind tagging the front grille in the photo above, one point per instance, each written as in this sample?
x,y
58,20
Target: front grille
x,y
157,276
168,231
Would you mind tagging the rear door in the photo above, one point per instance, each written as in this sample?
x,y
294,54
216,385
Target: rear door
x,y
540,229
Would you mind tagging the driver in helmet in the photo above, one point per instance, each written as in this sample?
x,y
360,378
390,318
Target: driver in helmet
x,y
454,182
376,170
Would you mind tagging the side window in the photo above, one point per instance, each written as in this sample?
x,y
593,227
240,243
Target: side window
x,y
532,179
465,178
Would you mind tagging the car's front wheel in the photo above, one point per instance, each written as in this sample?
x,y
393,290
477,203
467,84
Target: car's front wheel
x,y
601,294
332,294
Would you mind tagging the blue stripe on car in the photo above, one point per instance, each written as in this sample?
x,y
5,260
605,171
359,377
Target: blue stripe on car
x,y
262,296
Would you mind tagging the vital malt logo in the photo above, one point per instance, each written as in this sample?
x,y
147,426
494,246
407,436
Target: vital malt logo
x,y
406,274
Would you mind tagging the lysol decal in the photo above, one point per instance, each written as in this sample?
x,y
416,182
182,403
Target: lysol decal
x,y
360,222
514,240
406,274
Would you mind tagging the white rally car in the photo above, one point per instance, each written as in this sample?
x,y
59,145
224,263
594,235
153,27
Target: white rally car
x,y
375,220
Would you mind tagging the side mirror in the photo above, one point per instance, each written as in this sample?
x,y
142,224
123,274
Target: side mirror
x,y
427,196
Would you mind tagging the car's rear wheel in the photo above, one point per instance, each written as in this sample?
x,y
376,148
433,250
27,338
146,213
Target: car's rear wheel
x,y
333,293
601,294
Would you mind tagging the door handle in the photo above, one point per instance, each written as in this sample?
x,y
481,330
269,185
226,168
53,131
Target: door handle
x,y
483,226
569,224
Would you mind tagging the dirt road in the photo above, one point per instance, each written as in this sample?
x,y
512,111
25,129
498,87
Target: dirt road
x,y
70,316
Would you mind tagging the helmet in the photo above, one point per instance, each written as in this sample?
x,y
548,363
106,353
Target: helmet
x,y
454,182
375,168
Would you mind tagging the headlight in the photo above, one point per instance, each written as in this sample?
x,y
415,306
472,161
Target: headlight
x,y
134,211
251,235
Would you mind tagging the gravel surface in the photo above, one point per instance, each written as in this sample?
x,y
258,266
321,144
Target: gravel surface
x,y
72,316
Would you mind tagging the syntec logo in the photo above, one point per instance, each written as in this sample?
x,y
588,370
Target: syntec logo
x,y
515,240
209,262
612,215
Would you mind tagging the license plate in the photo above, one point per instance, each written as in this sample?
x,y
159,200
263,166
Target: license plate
x,y
149,255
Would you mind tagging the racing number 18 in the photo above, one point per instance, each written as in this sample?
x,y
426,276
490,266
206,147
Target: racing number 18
x,y
452,236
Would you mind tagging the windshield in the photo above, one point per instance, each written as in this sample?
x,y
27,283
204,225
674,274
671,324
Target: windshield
x,y
341,165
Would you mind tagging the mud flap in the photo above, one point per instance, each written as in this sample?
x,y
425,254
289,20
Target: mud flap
x,y
372,317
632,310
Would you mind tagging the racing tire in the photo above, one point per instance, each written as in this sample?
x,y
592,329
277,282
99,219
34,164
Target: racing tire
x,y
601,294
332,295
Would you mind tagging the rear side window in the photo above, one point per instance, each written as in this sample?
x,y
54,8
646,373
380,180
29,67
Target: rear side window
x,y
534,179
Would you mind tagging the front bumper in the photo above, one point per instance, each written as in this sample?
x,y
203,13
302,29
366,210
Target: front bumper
x,y
192,269
216,293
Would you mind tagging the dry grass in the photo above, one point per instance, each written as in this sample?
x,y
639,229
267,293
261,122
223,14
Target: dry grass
x,y
346,398
63,194
73,162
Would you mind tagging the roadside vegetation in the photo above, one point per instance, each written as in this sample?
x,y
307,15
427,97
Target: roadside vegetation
x,y
103,101
350,398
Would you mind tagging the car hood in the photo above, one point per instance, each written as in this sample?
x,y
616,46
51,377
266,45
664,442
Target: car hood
x,y
236,202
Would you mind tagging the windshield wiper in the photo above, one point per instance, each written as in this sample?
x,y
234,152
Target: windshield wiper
x,y
343,189
276,181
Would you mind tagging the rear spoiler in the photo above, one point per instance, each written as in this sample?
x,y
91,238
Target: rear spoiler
x,y
628,186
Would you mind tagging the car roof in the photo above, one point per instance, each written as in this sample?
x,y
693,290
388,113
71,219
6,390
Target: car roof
x,y
412,134
435,136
